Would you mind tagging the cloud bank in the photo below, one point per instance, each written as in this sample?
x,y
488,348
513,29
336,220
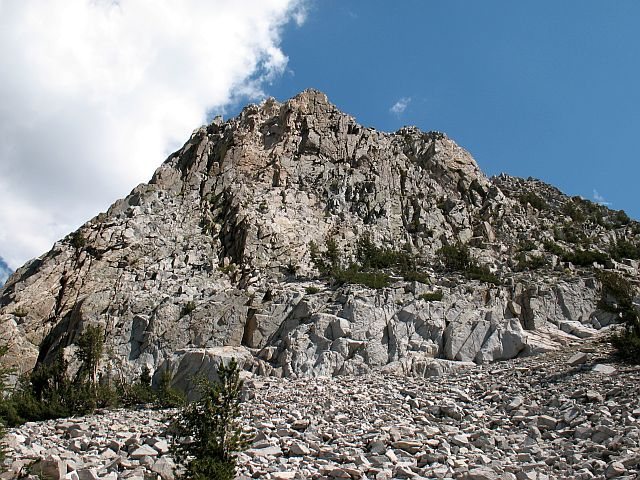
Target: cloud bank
x,y
95,94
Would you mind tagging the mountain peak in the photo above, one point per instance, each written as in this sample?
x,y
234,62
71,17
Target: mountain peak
x,y
266,235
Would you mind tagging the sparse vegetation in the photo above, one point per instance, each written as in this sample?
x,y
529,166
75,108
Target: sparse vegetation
x,y
482,273
624,249
168,396
432,296
527,246
137,393
370,256
529,262
372,279
373,265
554,248
617,297
212,424
534,200
312,290
572,210
457,258
585,258
579,257
572,234
620,218
20,312
188,308
78,241
49,391
416,276
229,269
328,262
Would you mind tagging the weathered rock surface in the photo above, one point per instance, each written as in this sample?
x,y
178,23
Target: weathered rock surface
x,y
539,417
215,252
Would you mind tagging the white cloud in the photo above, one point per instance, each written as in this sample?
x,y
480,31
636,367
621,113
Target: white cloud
x,y
599,198
400,106
95,94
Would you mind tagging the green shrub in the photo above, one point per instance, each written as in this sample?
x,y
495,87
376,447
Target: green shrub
x,y
137,393
167,396
457,258
585,258
627,345
78,240
574,235
621,218
617,297
373,279
20,312
312,290
328,260
416,276
531,262
534,200
527,246
623,249
212,422
573,211
554,248
328,263
188,308
579,257
42,395
432,296
482,273
48,393
369,256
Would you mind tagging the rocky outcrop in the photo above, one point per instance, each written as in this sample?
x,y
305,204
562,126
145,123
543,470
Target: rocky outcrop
x,y
214,252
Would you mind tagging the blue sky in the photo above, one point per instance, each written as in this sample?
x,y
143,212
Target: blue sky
x,y
545,89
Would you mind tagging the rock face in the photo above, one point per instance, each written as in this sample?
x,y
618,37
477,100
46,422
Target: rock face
x,y
215,251
539,417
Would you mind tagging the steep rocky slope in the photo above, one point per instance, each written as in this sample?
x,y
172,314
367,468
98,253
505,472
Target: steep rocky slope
x,y
215,257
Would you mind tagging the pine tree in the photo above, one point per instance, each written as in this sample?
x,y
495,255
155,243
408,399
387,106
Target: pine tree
x,y
213,423
90,349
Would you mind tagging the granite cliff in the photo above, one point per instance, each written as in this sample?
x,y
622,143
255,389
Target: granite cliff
x,y
218,256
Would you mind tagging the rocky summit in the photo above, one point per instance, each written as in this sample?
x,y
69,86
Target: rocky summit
x,y
306,245
566,414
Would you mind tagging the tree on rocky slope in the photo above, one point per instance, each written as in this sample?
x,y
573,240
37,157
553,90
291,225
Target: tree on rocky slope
x,y
617,297
90,349
212,423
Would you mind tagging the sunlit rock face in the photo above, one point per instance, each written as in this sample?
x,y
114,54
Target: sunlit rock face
x,y
215,251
